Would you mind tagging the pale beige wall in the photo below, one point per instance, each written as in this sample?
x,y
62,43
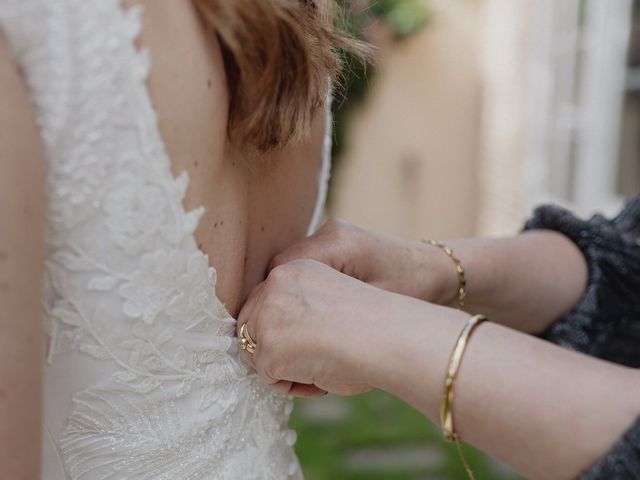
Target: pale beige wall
x,y
507,42
410,168
438,150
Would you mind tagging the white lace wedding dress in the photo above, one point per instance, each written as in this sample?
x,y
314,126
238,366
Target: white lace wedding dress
x,y
142,379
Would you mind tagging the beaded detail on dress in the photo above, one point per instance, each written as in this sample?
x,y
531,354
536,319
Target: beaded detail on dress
x,y
129,302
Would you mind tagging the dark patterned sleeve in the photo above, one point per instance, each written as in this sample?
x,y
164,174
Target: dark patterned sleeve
x,y
622,462
606,321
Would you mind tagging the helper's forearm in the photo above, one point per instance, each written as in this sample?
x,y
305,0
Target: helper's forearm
x,y
547,411
525,282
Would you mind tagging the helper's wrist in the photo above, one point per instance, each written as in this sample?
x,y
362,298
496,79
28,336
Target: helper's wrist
x,y
487,266
414,356
440,275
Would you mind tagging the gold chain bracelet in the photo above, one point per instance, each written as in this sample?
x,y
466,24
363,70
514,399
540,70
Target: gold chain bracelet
x,y
462,279
446,406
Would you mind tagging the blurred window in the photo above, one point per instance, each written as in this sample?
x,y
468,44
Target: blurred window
x,y
585,121
629,162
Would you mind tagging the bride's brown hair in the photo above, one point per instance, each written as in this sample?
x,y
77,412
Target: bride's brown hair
x,y
279,57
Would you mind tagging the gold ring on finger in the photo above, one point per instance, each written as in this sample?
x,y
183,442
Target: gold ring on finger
x,y
245,341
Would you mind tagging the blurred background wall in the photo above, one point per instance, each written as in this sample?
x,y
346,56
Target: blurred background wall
x,y
477,111
410,163
492,107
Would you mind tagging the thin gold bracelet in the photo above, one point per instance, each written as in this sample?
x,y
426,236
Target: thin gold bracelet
x,y
462,279
446,406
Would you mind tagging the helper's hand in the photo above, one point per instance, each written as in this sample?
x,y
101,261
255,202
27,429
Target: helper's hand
x,y
410,268
315,326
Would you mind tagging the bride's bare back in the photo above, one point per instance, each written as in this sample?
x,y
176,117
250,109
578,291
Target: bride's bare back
x,y
256,205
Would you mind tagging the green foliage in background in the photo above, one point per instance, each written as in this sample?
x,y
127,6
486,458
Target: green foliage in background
x,y
350,443
403,17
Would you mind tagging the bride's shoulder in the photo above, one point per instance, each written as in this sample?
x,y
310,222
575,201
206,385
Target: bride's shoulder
x,y
65,47
33,23
34,32
35,29
21,22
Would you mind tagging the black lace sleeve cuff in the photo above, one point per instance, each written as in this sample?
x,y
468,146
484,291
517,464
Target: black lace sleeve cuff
x,y
606,321
622,462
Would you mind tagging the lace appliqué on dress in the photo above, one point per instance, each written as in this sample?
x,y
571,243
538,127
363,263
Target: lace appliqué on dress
x,y
125,283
